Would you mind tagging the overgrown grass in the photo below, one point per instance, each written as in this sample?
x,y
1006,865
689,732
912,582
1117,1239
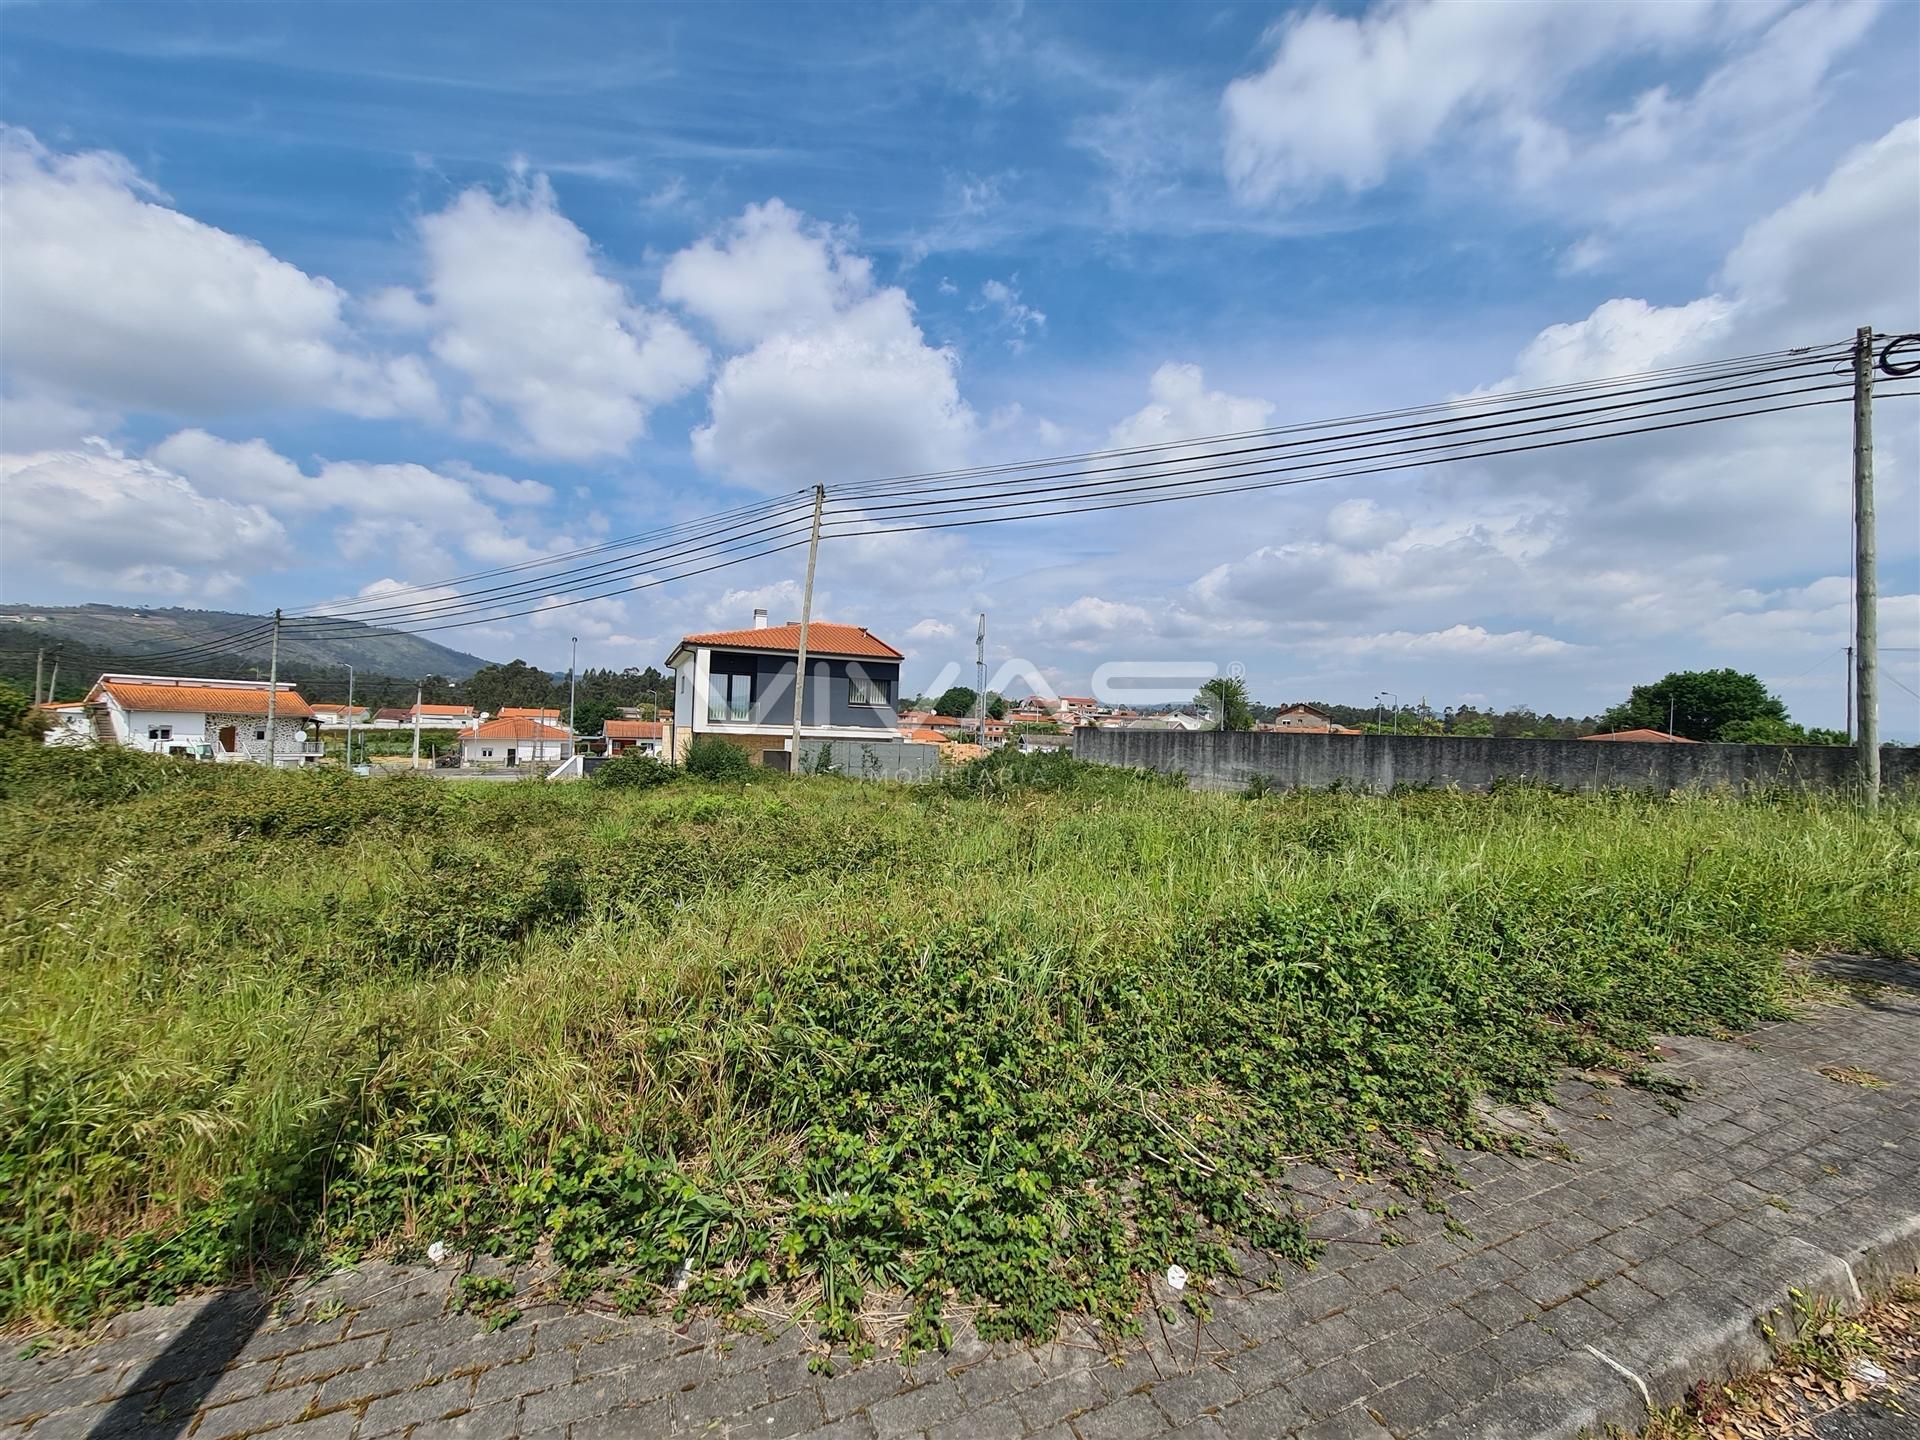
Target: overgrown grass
x,y
1011,1040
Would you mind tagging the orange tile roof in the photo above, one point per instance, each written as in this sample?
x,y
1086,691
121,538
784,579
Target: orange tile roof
x,y
205,697
460,711
513,729
823,638
633,730
1644,736
927,737
524,712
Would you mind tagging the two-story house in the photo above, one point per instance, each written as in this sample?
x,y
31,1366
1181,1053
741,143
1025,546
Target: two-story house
x,y
738,684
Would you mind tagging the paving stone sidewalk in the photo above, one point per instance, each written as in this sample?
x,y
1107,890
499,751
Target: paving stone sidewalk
x,y
1569,1289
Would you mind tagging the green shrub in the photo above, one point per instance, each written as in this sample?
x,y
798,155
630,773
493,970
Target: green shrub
x,y
711,758
635,770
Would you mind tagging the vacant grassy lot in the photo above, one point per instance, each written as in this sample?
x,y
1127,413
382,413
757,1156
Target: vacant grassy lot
x,y
1011,1042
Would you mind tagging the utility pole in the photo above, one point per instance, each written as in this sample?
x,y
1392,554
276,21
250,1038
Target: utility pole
x,y
39,658
418,692
806,621
53,681
573,662
1866,599
273,690
980,683
349,717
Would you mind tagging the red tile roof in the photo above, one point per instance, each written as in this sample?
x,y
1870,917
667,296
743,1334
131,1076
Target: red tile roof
x,y
205,697
458,712
823,638
524,712
927,737
633,730
1645,737
512,729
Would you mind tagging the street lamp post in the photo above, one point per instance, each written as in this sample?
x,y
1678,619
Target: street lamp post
x,y
1387,695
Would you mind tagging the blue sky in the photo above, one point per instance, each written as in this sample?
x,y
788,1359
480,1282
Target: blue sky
x,y
304,301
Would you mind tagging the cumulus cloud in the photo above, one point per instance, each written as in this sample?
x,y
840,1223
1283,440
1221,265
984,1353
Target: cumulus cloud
x,y
768,271
516,301
840,381
115,299
1455,642
1092,624
1345,100
378,509
1180,407
97,518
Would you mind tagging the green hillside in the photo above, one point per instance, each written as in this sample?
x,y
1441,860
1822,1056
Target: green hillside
x,y
90,639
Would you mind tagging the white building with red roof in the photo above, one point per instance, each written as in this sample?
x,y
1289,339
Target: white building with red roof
x,y
510,742
739,684
221,720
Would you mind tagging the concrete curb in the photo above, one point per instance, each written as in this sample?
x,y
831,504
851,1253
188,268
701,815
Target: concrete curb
x,y
1714,1332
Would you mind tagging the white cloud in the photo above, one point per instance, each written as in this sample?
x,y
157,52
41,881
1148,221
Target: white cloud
x,y
1012,313
516,302
1092,624
1345,100
100,519
1456,642
840,382
769,271
1180,407
114,299
931,629
380,509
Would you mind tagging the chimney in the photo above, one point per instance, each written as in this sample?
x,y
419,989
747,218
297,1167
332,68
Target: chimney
x,y
760,618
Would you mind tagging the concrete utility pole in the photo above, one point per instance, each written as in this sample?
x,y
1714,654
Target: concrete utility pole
x,y
1866,597
273,690
1847,685
349,717
53,681
39,658
418,692
980,683
573,663
806,622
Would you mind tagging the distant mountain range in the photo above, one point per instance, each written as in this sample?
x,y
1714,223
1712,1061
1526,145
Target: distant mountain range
x,y
94,638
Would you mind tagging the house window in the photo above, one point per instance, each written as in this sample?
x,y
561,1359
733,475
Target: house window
x,y
486,754
862,690
259,734
160,732
730,694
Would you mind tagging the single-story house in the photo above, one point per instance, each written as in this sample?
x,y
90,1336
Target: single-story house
x,y
1304,720
442,716
391,718
524,712
1644,737
337,717
67,725
512,743
649,737
738,685
222,720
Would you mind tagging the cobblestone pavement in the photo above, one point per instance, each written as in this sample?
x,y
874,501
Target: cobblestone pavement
x,y
1639,1259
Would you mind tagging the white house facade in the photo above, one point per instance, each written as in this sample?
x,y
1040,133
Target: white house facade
x,y
509,744
738,684
220,720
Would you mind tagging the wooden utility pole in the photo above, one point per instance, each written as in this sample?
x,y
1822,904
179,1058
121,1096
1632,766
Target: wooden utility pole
x,y
273,689
806,621
1866,589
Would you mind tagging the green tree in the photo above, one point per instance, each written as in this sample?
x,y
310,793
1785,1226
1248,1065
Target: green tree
x,y
1226,697
493,688
1702,704
16,712
590,716
957,700
1769,731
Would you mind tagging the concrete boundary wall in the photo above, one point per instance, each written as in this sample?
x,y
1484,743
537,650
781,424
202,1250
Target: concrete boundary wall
x,y
1213,760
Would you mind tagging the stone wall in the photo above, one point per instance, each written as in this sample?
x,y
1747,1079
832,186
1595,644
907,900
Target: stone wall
x,y
1227,761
